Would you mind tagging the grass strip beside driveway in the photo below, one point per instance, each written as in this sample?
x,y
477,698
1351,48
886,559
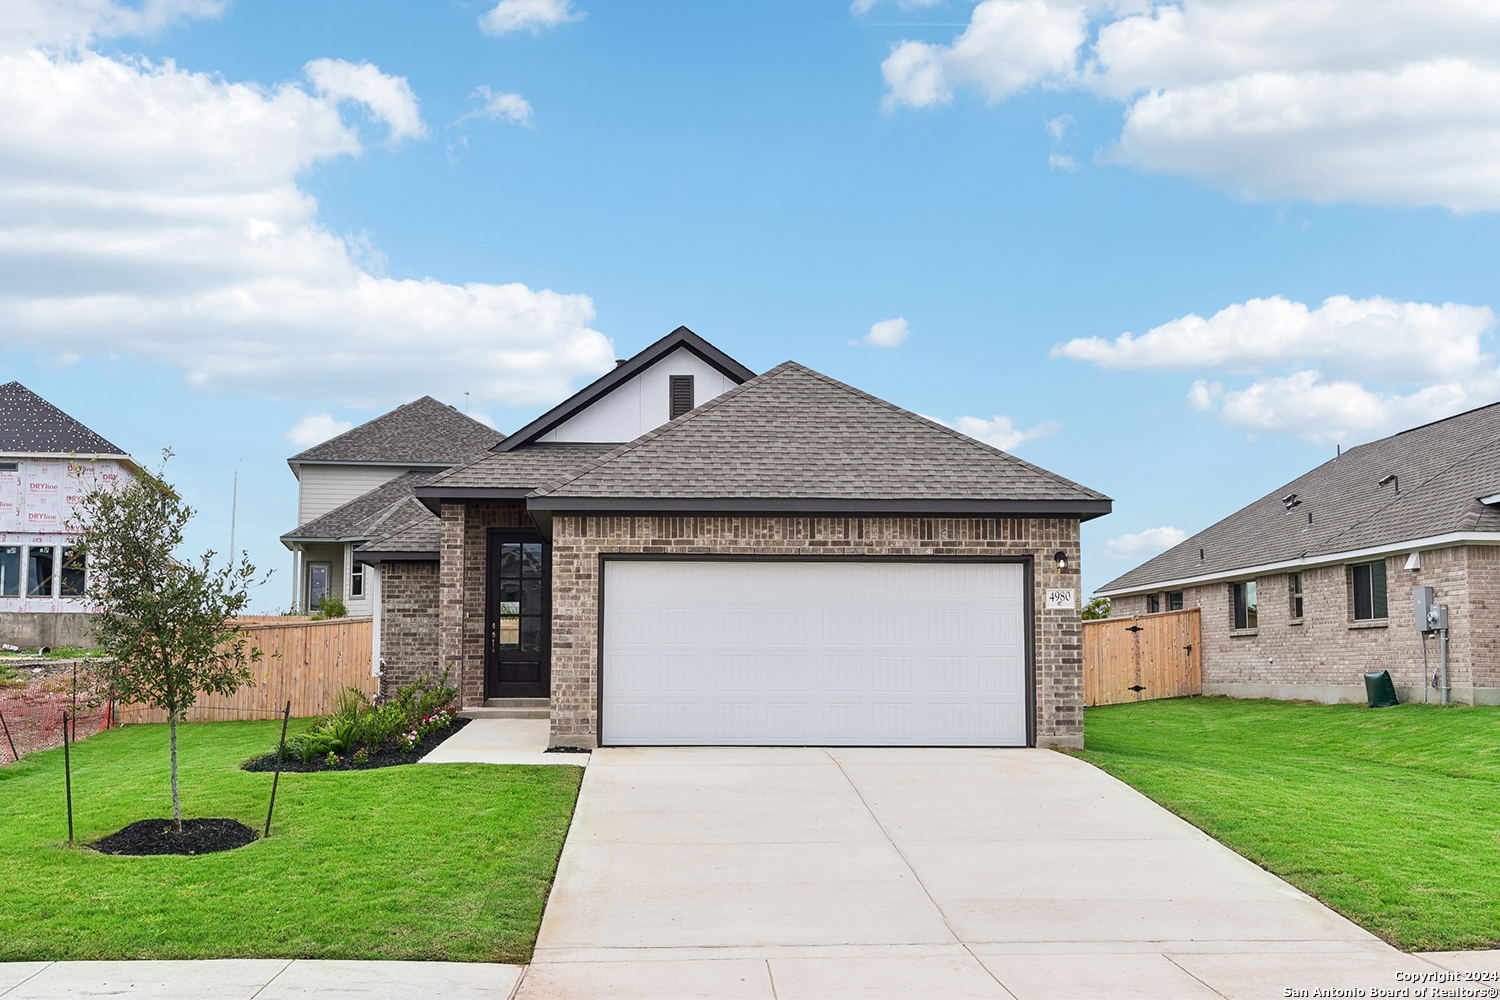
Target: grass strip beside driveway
x,y
449,862
1390,816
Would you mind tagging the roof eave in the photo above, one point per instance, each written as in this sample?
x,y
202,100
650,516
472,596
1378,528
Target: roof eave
x,y
1443,541
681,337
838,506
432,497
396,556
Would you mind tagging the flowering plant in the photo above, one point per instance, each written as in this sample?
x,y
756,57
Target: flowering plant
x,y
409,740
332,759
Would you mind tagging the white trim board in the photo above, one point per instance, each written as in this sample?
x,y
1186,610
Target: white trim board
x,y
1449,540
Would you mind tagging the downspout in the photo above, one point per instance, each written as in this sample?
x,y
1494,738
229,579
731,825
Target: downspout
x,y
372,570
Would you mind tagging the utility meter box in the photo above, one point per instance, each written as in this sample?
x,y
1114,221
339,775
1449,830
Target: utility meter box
x,y
1422,598
1430,616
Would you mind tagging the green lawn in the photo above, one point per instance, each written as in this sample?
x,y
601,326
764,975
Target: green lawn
x,y
435,862
1390,816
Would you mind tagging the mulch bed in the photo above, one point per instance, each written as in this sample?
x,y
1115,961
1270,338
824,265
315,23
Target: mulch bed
x,y
389,755
199,836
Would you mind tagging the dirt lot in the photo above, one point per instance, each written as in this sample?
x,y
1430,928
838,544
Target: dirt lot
x,y
33,707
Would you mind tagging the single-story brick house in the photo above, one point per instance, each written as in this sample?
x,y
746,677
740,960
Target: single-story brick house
x,y
1311,585
685,552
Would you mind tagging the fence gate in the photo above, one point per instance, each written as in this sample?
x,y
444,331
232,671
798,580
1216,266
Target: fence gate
x,y
1142,658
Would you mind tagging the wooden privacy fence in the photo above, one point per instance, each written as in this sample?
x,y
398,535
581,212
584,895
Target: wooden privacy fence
x,y
1141,658
317,660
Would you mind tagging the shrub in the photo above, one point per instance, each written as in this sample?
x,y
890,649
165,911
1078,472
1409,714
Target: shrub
x,y
330,607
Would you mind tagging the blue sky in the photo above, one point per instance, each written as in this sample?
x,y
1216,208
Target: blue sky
x,y
205,252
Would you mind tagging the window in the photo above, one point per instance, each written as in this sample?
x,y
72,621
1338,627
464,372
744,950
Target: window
x,y
1174,601
682,394
9,466
72,573
1153,603
357,580
317,584
1369,591
1294,592
39,571
10,571
1242,596
521,599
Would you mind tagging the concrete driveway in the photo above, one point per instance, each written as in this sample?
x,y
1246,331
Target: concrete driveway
x,y
809,873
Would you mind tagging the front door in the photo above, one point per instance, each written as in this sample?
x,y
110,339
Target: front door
x,y
518,619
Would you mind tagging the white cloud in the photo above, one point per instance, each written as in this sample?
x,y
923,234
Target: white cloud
x,y
1057,128
527,15
315,429
1002,432
152,212
1008,46
1422,361
74,23
1144,544
1373,101
1362,338
865,6
887,333
1305,406
389,98
512,108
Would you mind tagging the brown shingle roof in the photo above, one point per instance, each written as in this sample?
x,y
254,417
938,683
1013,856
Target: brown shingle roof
x,y
1442,468
525,468
422,432
795,433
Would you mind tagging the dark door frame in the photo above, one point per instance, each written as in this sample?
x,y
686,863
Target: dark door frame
x,y
541,687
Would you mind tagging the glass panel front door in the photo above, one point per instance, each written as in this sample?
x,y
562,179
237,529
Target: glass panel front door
x,y
519,624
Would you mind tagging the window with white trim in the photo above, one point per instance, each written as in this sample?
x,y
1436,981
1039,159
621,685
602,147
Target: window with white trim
x,y
357,580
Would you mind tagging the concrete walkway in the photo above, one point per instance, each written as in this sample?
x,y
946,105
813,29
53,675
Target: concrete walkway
x,y
257,979
502,741
804,873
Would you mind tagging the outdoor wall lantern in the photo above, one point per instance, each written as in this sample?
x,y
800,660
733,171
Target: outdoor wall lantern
x,y
1061,558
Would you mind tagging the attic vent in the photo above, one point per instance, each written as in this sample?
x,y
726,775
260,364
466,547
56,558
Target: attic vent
x,y
1290,501
682,395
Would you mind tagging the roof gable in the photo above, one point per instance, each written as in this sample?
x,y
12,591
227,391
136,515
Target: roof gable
x,y
29,425
796,439
422,432
679,339
1442,469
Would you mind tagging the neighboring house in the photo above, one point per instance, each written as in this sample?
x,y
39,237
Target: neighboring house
x,y
47,461
349,487
685,552
1311,585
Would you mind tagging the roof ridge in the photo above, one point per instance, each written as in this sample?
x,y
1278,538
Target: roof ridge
x,y
960,435
656,432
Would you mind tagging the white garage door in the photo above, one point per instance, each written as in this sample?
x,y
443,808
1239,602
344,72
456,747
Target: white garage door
x,y
814,653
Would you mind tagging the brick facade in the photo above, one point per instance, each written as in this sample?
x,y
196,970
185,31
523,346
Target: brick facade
x,y
408,623
578,542
1322,657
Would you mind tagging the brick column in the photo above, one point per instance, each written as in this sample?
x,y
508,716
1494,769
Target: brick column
x,y
451,602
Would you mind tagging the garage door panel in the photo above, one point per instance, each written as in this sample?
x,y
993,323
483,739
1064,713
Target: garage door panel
x,y
812,653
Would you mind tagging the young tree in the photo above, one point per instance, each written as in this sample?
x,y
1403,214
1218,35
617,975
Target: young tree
x,y
166,624
1096,609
